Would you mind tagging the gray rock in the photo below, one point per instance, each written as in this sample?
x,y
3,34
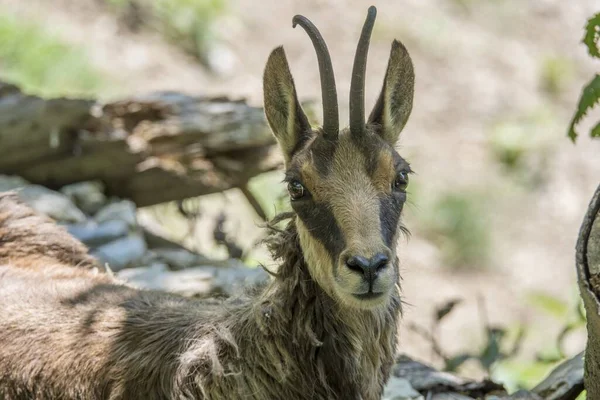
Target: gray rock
x,y
446,386
400,389
123,210
232,280
55,205
180,258
11,182
122,253
565,379
196,281
522,395
94,234
146,277
89,196
155,241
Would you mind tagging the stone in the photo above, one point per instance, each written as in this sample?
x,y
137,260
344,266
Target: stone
x,y
150,277
564,380
232,280
181,258
195,281
122,253
123,210
156,235
55,205
400,389
11,182
88,196
523,395
93,234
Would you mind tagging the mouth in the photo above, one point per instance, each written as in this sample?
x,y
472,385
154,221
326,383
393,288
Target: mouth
x,y
368,295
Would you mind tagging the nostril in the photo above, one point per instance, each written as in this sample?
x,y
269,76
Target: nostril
x,y
367,266
357,264
379,262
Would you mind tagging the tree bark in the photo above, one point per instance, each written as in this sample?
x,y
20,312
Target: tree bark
x,y
588,273
150,149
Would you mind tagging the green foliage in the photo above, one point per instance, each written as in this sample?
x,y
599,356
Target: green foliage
x,y
270,192
523,145
457,224
186,23
571,314
555,74
516,374
497,339
549,304
591,92
589,98
121,4
592,36
40,62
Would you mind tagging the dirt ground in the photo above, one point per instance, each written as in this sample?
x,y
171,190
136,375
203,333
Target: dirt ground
x,y
479,65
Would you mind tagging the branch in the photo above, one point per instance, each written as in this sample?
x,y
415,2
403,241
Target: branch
x,y
150,149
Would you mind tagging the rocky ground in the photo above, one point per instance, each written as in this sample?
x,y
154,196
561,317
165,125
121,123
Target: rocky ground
x,y
487,73
136,253
139,254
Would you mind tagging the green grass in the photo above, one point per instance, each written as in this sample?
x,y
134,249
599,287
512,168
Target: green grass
x,y
556,74
522,146
41,63
186,23
515,374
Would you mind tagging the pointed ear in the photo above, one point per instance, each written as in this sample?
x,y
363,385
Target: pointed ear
x,y
282,108
394,105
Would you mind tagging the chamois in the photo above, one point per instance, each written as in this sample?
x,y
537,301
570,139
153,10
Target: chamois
x,y
324,326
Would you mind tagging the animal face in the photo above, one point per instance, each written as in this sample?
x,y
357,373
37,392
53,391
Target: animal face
x,y
347,188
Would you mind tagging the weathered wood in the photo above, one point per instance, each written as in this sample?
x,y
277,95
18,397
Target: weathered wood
x,y
565,382
150,149
588,273
430,383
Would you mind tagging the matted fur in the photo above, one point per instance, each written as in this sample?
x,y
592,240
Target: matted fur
x,y
72,333
29,239
322,328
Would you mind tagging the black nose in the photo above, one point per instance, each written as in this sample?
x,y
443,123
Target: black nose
x,y
369,268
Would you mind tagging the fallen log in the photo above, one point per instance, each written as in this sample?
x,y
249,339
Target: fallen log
x,y
150,149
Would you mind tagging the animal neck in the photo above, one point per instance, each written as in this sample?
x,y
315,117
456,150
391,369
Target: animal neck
x,y
348,346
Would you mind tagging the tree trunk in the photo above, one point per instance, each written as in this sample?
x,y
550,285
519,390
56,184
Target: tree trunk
x,y
150,149
588,273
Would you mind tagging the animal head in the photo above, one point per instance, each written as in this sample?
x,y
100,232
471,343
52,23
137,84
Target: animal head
x,y
347,187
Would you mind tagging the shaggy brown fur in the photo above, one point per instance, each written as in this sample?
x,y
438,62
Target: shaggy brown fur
x,y
34,240
70,333
323,328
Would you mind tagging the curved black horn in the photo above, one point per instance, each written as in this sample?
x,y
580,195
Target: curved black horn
x,y
328,91
357,86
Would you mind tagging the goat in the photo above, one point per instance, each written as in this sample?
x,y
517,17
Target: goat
x,y
325,325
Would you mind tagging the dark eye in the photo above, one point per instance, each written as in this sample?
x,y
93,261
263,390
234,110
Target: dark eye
x,y
296,190
401,181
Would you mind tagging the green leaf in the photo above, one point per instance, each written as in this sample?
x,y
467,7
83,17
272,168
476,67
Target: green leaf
x,y
549,304
492,351
592,35
589,98
596,130
582,396
446,309
452,364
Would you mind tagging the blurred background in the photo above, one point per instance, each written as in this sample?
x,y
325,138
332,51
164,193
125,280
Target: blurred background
x,y
499,191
